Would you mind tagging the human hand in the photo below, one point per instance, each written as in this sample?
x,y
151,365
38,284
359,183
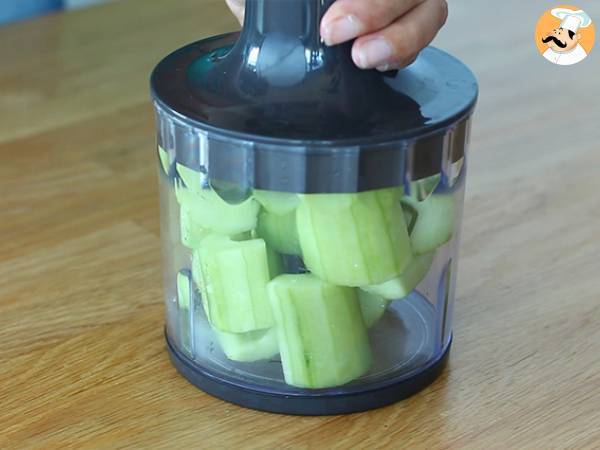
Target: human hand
x,y
389,33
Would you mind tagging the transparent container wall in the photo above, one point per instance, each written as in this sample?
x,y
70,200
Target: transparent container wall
x,y
290,292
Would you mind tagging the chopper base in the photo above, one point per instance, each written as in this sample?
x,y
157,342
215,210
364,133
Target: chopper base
x,y
345,399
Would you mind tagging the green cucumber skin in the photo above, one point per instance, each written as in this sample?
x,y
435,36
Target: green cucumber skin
x,y
323,341
372,307
354,239
249,347
243,347
279,231
434,224
401,286
233,277
279,203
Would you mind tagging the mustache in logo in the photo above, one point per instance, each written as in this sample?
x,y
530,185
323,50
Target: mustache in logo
x,y
555,40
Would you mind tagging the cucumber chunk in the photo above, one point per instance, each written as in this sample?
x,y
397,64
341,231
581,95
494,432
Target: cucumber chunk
x,y
434,224
279,231
233,277
249,347
275,202
354,239
401,286
322,338
372,307
207,210
191,232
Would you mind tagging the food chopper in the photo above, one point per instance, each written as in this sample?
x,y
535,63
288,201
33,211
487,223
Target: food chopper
x,y
310,214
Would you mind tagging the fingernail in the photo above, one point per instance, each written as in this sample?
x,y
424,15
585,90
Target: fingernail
x,y
383,67
373,53
341,30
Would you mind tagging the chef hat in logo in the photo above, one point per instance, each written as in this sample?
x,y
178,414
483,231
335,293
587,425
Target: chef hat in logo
x,y
572,20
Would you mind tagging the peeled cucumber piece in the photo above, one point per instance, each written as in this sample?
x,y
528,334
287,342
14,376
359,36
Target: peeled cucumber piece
x,y
243,347
191,232
253,345
372,307
354,239
279,231
233,277
434,223
249,347
322,337
209,211
401,286
276,202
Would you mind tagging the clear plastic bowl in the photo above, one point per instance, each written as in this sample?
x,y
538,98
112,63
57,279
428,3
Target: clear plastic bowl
x,y
308,295
310,215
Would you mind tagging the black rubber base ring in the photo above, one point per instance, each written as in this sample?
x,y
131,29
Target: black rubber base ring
x,y
313,403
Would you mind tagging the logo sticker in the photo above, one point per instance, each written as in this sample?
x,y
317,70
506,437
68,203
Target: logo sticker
x,y
565,35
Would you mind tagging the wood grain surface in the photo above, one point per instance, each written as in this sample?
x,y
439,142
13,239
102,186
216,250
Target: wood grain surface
x,y
83,361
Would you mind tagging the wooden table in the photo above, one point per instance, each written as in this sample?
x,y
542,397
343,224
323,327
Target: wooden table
x,y
83,361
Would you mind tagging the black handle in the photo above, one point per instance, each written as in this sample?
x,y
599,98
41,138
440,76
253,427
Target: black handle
x,y
290,83
280,44
290,17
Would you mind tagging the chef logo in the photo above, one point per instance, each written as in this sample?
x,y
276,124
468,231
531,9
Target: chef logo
x,y
565,35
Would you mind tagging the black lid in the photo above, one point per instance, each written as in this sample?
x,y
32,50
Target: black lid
x,y
274,98
280,83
